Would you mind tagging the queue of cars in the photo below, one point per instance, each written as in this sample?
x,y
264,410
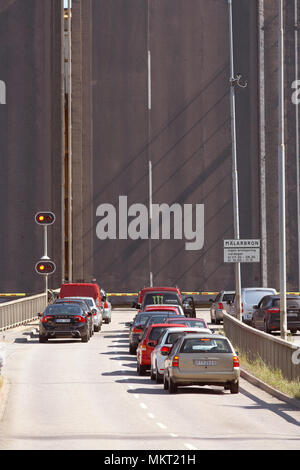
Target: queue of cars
x,y
79,312
260,308
179,350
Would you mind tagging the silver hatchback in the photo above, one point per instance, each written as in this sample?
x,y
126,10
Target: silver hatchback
x,y
199,359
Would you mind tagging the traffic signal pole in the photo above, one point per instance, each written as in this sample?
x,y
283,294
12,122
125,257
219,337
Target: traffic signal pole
x,y
234,81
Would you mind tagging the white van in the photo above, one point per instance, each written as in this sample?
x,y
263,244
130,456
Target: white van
x,y
250,296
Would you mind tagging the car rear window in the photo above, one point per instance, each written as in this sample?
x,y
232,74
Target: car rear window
x,y
253,297
155,332
196,324
228,297
161,298
63,309
290,303
205,345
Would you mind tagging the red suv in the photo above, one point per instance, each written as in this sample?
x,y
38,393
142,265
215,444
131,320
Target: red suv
x,y
148,343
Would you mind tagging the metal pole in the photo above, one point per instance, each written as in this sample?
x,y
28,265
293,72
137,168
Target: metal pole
x,y
63,185
237,267
262,160
70,228
281,178
149,138
297,137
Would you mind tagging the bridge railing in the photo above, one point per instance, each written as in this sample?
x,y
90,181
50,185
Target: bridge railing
x,y
21,311
255,344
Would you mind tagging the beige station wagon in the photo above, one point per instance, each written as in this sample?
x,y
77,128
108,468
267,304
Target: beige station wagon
x,y
201,359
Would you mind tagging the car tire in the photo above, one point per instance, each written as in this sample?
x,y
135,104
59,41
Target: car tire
x,y
141,370
266,329
85,338
43,339
234,387
132,350
158,377
293,331
152,375
172,387
165,383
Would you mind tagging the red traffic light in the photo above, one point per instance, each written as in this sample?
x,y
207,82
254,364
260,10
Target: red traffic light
x,y
45,218
45,267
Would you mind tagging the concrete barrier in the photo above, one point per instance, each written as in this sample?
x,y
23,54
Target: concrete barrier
x,y
21,311
275,352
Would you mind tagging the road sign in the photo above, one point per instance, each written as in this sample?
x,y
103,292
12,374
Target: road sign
x,y
241,251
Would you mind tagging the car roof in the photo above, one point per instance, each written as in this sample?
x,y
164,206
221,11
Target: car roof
x,y
163,306
150,289
79,297
211,336
187,328
266,289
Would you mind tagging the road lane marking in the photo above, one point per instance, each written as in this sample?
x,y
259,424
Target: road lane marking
x,y
162,426
190,447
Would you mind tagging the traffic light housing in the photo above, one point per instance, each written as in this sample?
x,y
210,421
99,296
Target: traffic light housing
x,y
45,218
45,267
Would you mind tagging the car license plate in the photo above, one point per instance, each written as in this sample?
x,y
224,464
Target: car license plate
x,y
205,363
63,320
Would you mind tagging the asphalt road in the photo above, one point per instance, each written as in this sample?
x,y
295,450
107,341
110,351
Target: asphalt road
x,y
69,395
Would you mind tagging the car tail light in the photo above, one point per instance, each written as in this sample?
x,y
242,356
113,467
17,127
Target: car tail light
x,y
273,310
79,318
236,362
242,306
220,307
175,362
165,350
105,304
137,330
47,318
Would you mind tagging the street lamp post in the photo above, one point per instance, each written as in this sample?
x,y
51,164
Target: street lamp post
x,y
281,176
234,81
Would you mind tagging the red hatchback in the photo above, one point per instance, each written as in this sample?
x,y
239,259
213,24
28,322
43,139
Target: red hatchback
x,y
148,343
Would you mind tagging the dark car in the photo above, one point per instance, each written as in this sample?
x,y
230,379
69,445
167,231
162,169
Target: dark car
x,y
87,309
64,320
266,315
137,327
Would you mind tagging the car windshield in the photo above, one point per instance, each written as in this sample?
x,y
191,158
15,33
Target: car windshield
x,y
63,309
205,345
291,303
157,298
253,297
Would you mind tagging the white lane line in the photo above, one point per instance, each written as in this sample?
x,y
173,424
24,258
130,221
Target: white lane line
x,y
151,416
142,405
136,396
173,435
162,426
190,447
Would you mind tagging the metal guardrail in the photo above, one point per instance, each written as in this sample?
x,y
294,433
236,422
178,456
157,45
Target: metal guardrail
x,y
21,311
274,352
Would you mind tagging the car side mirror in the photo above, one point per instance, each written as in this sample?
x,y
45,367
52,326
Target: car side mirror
x,y
152,344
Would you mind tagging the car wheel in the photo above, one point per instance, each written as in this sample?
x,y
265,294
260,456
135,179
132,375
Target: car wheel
x,y
172,387
266,329
234,387
141,370
43,339
293,331
85,338
159,377
152,375
165,383
132,350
